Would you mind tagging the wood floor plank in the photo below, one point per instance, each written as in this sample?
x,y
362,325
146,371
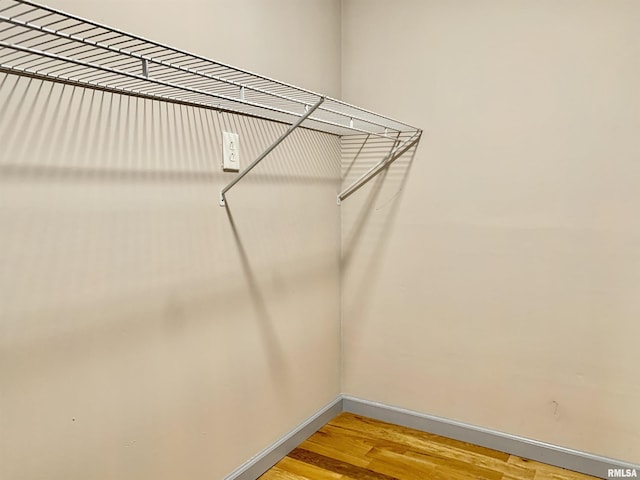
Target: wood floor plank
x,y
547,472
453,464
352,471
352,447
307,470
431,437
424,463
277,473
415,439
542,469
516,472
393,462
467,453
400,472
339,447
350,443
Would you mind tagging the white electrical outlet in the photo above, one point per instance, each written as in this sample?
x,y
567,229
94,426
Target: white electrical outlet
x,y
230,152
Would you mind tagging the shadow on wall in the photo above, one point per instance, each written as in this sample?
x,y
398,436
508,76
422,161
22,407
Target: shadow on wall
x,y
368,221
116,196
122,274
275,359
384,192
109,137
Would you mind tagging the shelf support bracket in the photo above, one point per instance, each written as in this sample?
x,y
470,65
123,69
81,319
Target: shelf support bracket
x,y
223,192
387,160
145,68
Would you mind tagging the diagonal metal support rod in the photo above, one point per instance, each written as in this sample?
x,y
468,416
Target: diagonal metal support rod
x,y
268,150
388,159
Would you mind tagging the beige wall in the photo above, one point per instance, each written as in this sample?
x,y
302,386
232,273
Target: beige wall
x,y
144,331
498,285
491,278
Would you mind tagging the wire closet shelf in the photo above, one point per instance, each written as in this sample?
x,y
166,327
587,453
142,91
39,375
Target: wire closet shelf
x,y
47,43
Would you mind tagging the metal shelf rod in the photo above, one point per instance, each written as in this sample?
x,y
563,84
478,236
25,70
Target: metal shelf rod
x,y
273,84
147,59
158,82
46,43
194,56
141,78
165,98
268,151
387,160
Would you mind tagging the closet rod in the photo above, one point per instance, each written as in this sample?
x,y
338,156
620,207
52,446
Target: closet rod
x,y
387,160
268,151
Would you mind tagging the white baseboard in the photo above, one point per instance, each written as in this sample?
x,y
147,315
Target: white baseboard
x,y
271,455
575,460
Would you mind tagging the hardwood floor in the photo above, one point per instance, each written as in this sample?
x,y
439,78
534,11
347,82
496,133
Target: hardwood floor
x,y
351,447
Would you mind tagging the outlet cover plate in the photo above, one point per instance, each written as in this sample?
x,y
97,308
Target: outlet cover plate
x,y
230,152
